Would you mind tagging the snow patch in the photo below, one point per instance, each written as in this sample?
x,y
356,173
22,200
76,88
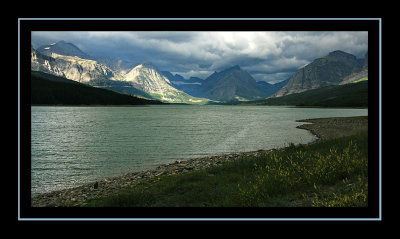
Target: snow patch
x,y
195,101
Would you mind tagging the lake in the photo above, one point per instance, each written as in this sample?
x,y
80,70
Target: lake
x,y
72,146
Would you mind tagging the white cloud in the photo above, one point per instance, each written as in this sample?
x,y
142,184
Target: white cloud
x,y
194,73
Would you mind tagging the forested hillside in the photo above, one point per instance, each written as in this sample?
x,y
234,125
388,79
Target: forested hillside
x,y
52,90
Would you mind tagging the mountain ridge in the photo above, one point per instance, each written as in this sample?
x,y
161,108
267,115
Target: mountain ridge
x,y
232,83
148,78
47,89
87,70
348,95
324,71
63,48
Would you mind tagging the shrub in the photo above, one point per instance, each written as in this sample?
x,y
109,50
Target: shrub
x,y
281,173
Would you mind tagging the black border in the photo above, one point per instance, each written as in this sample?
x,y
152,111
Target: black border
x,y
28,25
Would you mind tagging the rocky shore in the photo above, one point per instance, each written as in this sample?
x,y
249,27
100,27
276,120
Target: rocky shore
x,y
335,127
79,195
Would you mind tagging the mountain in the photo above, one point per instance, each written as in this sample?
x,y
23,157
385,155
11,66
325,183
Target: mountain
x,y
115,63
232,84
328,70
191,86
63,48
281,84
43,63
69,49
148,78
122,87
271,89
357,76
70,67
85,71
49,90
145,80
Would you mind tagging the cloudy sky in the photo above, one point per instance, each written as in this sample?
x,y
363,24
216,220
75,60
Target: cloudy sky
x,y
268,56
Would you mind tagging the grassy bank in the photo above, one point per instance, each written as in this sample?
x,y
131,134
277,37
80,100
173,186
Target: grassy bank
x,y
329,172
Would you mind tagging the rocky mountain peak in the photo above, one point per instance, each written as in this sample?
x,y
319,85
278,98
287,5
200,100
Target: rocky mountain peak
x,y
327,70
63,48
146,77
232,83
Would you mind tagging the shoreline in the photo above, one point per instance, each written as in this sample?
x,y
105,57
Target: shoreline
x,y
322,128
106,186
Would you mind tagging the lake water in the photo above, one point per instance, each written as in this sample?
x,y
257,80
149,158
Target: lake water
x,y
76,145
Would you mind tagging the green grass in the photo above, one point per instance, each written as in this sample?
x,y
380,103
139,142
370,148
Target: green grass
x,y
362,79
310,172
327,173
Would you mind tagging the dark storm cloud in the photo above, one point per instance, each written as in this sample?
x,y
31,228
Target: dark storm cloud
x,y
269,56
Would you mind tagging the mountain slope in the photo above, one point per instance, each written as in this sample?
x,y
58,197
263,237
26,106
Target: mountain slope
x,y
148,78
190,86
70,67
122,87
43,63
200,88
271,89
232,84
53,90
357,75
144,79
349,95
328,70
69,49
115,64
63,48
83,70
